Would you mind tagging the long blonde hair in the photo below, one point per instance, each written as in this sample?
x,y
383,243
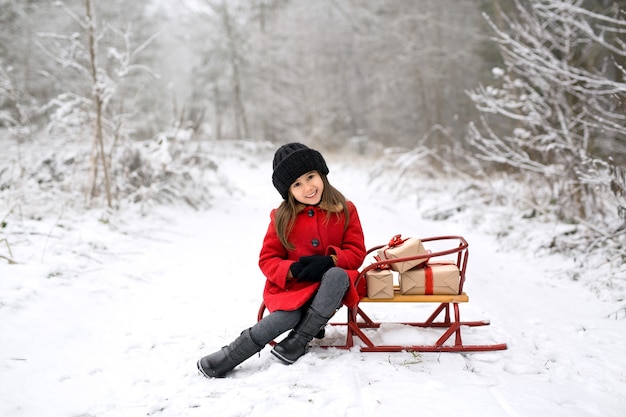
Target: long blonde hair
x,y
333,201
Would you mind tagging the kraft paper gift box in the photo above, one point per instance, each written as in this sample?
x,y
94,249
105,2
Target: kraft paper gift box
x,y
379,283
431,279
402,248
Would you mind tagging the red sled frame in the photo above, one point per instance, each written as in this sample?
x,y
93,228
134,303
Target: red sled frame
x,y
446,315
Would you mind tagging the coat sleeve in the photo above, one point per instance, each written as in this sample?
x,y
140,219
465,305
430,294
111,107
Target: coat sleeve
x,y
351,253
273,257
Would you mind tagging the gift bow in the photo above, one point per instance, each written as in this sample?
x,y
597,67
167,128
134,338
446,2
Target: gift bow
x,y
381,266
396,241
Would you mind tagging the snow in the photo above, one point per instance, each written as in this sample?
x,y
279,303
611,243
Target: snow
x,y
105,314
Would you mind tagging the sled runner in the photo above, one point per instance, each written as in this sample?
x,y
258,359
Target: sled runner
x,y
446,315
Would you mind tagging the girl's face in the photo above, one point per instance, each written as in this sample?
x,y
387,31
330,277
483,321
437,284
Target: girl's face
x,y
308,188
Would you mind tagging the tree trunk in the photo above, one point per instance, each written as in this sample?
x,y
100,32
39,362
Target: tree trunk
x,y
97,97
241,121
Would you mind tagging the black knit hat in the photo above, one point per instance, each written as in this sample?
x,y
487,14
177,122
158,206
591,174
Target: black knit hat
x,y
293,160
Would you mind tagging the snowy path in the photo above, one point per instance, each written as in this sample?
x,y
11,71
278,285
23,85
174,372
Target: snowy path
x,y
108,320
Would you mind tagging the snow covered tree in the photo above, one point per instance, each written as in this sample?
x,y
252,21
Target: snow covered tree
x,y
220,76
93,97
19,85
557,108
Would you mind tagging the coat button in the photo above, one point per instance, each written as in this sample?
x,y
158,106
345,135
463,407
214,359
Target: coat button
x,y
315,243
311,213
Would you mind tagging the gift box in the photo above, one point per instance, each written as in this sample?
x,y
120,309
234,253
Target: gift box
x,y
402,248
379,283
435,278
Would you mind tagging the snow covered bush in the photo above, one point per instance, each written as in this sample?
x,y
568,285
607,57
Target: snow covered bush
x,y
164,171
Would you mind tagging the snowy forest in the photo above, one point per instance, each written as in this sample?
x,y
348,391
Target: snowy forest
x,y
111,104
137,140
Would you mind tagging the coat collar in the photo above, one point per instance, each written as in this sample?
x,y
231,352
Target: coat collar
x,y
333,209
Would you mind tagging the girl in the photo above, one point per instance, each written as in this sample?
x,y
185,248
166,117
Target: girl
x,y
310,255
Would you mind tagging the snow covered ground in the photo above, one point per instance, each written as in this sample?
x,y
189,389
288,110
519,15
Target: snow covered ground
x,y
106,314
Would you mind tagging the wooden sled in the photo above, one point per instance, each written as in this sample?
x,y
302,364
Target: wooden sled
x,y
446,315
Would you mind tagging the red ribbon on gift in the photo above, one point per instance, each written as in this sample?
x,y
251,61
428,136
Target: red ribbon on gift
x,y
429,281
381,266
428,284
396,241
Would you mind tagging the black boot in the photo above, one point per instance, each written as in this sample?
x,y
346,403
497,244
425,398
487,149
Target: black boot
x,y
218,364
295,344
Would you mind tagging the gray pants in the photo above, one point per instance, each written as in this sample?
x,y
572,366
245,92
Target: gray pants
x,y
326,301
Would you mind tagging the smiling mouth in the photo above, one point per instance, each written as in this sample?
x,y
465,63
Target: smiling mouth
x,y
313,194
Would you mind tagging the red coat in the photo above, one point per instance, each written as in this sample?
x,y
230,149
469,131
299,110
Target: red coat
x,y
311,235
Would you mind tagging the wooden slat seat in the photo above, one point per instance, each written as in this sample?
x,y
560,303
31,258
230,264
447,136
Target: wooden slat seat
x,y
418,298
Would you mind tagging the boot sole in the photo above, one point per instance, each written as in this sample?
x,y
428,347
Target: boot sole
x,y
282,358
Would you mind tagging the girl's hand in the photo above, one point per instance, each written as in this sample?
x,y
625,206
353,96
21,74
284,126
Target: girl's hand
x,y
314,267
296,268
